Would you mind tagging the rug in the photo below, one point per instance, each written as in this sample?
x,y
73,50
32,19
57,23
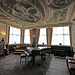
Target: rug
x,y
10,65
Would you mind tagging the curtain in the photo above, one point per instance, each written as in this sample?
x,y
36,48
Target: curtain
x,y
31,37
37,36
51,31
70,32
23,36
70,29
8,34
49,36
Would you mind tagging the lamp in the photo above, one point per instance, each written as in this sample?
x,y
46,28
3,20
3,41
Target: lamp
x,y
2,33
34,35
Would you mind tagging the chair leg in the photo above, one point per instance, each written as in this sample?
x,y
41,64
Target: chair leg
x,y
20,60
70,72
49,54
25,59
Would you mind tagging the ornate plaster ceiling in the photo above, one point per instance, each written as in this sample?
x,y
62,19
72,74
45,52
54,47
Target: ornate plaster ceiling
x,y
59,3
37,13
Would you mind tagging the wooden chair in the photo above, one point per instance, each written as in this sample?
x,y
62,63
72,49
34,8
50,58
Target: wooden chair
x,y
70,58
71,64
71,67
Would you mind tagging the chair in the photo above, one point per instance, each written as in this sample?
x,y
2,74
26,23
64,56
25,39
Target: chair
x,y
71,67
23,56
7,49
2,51
19,49
70,58
71,64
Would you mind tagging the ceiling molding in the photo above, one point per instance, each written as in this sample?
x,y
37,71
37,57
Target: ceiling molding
x,y
49,25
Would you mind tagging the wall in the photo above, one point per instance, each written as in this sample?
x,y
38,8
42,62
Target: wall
x,y
2,31
73,36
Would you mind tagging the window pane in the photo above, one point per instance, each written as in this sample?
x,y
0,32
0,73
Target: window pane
x,y
14,31
27,36
17,32
11,40
14,35
66,30
58,30
17,39
54,40
61,35
14,39
42,37
59,39
66,40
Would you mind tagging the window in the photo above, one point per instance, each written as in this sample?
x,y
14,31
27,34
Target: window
x,y
61,35
42,37
27,36
14,35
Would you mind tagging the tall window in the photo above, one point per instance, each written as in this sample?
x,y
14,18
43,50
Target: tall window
x,y
27,36
14,35
61,35
42,37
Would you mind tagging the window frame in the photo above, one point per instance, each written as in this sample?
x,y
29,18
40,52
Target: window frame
x,y
25,35
13,34
42,34
63,34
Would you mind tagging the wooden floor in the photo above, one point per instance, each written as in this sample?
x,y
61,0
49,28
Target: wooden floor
x,y
58,67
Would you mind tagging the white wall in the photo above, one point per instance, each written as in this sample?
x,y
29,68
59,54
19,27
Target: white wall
x,y
3,28
73,36
2,31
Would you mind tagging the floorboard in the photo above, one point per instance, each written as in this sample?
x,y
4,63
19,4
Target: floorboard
x,y
58,67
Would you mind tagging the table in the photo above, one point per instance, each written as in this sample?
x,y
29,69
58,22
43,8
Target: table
x,y
33,52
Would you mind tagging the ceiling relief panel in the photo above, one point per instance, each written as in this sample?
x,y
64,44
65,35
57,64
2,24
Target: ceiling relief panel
x,y
59,15
40,6
59,3
21,9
